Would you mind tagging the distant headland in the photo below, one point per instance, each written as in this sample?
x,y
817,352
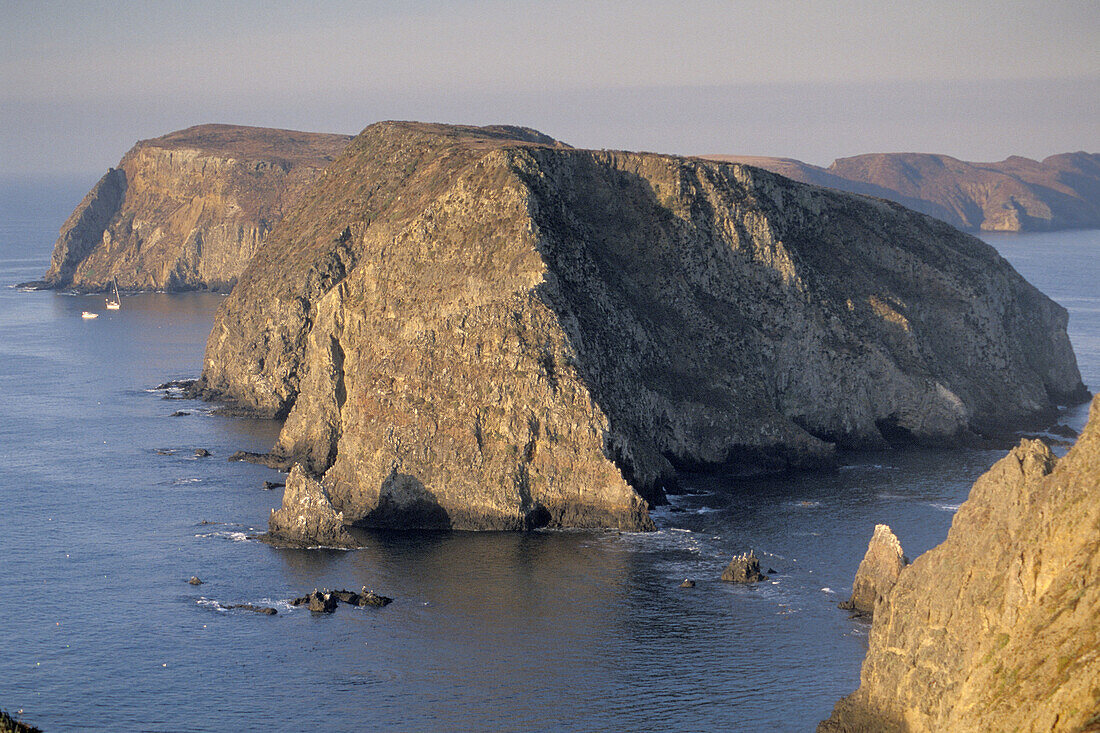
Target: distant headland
x,y
1015,195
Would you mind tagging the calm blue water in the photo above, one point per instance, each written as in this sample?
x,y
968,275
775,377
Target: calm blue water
x,y
549,630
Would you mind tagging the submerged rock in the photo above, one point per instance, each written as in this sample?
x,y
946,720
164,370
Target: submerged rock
x,y
744,568
688,584
194,578
262,459
998,627
480,328
877,573
271,485
202,453
266,610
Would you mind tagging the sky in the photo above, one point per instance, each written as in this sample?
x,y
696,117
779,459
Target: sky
x,y
80,82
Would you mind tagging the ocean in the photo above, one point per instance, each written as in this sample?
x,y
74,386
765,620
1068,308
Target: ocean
x,y
107,512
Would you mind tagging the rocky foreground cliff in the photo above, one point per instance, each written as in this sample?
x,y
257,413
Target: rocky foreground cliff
x,y
187,210
482,328
998,628
1013,195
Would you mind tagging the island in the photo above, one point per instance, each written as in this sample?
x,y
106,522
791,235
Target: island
x,y
484,328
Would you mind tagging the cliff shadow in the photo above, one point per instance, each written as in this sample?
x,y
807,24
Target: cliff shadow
x,y
404,501
648,290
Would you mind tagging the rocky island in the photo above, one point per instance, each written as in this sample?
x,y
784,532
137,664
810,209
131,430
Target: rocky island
x,y
483,328
996,628
187,211
1014,195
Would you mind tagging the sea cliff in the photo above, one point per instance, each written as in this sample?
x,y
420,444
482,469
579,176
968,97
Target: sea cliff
x,y
997,628
484,328
187,210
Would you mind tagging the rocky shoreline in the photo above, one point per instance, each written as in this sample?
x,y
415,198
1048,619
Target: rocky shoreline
x,y
996,628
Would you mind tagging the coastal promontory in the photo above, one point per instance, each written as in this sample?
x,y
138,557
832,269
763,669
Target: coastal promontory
x,y
188,210
998,628
484,328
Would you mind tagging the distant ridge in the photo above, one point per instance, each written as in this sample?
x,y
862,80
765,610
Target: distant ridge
x,y
1017,194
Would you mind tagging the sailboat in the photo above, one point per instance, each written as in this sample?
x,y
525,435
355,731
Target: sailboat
x,y
114,305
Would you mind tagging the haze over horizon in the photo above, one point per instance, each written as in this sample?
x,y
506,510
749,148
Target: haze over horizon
x,y
815,81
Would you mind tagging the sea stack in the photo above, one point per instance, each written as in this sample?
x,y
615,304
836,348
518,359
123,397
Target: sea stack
x,y
483,328
998,627
187,211
877,573
743,568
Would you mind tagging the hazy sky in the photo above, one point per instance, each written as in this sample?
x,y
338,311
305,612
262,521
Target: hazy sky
x,y
80,82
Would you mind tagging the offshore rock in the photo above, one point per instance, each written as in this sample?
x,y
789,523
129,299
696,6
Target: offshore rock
x,y
998,627
307,516
322,602
187,210
877,573
326,600
1016,194
480,328
744,568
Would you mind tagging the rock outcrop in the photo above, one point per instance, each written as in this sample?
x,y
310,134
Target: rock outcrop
x,y
187,210
481,328
998,628
743,568
1016,194
307,517
326,601
878,571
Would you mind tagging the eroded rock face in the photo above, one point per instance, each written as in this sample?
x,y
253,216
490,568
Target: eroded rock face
x,y
480,328
187,210
998,627
878,571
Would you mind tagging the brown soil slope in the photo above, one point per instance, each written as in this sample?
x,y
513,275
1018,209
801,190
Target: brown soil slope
x,y
998,628
477,327
1017,194
188,210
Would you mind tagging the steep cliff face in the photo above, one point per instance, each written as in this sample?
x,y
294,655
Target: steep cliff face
x,y
479,328
187,210
1016,194
998,628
